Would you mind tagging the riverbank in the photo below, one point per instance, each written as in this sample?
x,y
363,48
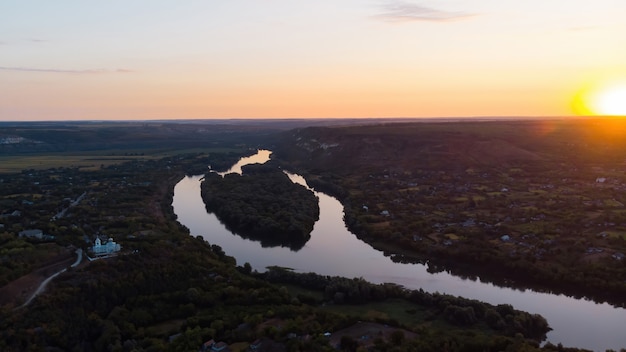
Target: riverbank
x,y
545,216
345,255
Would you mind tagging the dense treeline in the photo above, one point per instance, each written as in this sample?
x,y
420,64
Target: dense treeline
x,y
262,204
120,303
448,193
125,137
456,310
168,291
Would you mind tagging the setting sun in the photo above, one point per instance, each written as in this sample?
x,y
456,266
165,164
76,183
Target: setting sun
x,y
611,101
602,98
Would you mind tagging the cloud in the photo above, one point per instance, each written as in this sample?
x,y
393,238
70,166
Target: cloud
x,y
402,11
52,70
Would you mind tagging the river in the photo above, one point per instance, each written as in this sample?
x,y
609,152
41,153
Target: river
x,y
333,250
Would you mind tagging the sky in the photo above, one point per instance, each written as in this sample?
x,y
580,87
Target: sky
x,y
192,59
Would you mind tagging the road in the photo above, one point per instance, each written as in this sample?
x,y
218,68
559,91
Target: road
x,y
44,283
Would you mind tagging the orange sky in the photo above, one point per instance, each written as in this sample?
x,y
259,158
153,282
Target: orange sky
x,y
245,58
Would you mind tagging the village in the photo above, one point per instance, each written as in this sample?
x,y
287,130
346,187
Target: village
x,y
43,212
547,212
521,215
150,285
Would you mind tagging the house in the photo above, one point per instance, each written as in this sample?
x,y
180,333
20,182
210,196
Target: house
x,y
469,223
207,345
213,346
618,256
505,238
109,247
220,346
35,233
384,213
256,345
171,338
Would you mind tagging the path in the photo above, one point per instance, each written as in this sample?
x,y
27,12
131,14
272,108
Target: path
x,y
42,286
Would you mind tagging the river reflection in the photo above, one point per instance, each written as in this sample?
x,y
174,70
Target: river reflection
x,y
333,250
262,156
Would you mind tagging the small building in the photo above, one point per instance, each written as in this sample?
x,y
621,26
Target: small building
x,y
505,238
35,233
171,338
207,345
220,346
618,256
109,247
256,345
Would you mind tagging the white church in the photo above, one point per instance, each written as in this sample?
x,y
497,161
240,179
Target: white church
x,y
109,247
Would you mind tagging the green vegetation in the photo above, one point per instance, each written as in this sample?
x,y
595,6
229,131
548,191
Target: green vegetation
x,y
91,161
446,194
448,310
262,204
168,291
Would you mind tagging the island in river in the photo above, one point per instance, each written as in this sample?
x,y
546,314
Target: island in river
x,y
171,291
529,204
262,204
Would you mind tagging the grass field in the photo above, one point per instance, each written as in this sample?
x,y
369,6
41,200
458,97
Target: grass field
x,y
404,312
297,290
88,161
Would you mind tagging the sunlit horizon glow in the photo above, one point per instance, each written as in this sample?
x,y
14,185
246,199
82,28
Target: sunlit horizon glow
x,y
604,96
324,59
612,101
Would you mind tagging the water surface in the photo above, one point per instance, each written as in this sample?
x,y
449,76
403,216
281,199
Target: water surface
x,y
333,250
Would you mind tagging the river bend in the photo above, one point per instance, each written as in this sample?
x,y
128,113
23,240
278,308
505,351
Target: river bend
x,y
333,250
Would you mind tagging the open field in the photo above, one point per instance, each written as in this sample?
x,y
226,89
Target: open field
x,y
18,291
89,161
404,312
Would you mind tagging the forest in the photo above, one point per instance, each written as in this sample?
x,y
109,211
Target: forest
x,y
169,291
537,203
262,204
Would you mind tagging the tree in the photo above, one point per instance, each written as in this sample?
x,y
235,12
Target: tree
x,y
348,344
397,337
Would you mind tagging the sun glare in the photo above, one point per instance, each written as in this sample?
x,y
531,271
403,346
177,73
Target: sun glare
x,y
602,99
611,101
605,100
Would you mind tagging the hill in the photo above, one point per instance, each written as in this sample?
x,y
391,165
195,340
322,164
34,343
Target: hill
x,y
536,203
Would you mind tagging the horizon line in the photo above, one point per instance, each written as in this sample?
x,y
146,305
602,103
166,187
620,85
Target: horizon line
x,y
435,118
